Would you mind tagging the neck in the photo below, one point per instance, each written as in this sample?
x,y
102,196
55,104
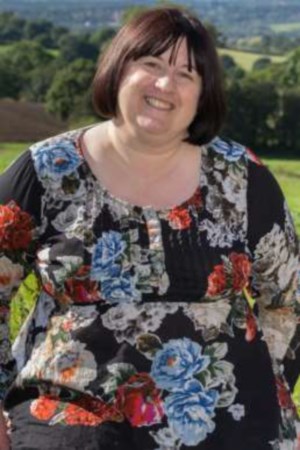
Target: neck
x,y
140,151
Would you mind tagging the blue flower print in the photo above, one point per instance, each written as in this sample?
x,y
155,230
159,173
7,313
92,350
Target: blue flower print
x,y
232,151
108,248
178,361
111,268
190,412
56,161
118,288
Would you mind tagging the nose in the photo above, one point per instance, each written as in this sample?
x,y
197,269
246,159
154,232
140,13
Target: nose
x,y
165,82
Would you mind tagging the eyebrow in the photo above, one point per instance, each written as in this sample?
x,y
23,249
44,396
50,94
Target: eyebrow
x,y
183,65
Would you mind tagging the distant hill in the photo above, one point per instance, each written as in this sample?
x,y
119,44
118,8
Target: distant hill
x,y
233,17
26,122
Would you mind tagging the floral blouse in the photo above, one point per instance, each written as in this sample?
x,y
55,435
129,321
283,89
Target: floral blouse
x,y
182,322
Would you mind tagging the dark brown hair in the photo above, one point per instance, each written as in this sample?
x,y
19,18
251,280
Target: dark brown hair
x,y
152,33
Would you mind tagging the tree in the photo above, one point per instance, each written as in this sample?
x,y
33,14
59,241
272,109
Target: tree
x,y
10,80
102,36
291,73
232,71
261,63
288,128
74,47
70,89
36,28
11,27
253,110
38,82
17,65
27,55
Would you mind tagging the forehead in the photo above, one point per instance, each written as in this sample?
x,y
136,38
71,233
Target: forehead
x,y
176,51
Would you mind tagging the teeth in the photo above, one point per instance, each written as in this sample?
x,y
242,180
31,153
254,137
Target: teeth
x,y
159,104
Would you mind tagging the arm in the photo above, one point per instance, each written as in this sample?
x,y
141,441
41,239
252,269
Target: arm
x,y
274,247
19,222
4,438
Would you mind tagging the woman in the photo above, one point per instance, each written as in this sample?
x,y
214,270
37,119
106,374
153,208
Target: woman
x,y
167,260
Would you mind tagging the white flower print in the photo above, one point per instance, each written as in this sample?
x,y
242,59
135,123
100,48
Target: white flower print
x,y
130,320
71,221
279,327
206,315
237,410
72,365
10,275
166,439
225,201
274,266
69,265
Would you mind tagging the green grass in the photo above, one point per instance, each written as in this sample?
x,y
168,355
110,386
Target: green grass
x,y
10,151
4,48
247,59
287,173
53,52
285,27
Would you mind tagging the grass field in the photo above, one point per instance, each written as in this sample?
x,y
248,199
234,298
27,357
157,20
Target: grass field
x,y
4,48
243,59
8,152
287,173
285,27
246,59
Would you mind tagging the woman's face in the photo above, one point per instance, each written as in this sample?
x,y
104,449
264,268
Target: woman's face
x,y
158,98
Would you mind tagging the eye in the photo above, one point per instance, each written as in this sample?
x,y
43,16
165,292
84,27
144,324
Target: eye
x,y
186,75
151,63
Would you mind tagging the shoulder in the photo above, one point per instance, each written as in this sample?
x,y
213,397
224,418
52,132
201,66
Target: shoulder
x,y
232,151
260,178
57,156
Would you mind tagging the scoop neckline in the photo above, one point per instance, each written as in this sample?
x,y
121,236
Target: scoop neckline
x,y
191,200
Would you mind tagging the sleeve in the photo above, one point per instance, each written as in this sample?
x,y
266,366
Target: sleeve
x,y
20,212
274,246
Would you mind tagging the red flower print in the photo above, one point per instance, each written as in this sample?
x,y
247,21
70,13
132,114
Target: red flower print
x,y
240,270
254,157
89,411
216,281
140,401
15,227
251,328
79,288
284,396
44,408
196,200
179,218
5,280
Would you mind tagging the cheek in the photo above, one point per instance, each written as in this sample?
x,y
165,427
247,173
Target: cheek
x,y
196,98
133,80
192,100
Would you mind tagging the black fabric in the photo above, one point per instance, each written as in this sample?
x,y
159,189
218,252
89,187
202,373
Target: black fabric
x,y
31,434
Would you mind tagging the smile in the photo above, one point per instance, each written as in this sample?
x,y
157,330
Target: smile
x,y
159,104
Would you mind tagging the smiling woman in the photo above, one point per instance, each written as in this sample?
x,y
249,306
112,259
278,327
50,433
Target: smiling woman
x,y
156,41
167,258
160,96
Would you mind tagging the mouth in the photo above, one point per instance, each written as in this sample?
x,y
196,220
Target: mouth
x,y
162,105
